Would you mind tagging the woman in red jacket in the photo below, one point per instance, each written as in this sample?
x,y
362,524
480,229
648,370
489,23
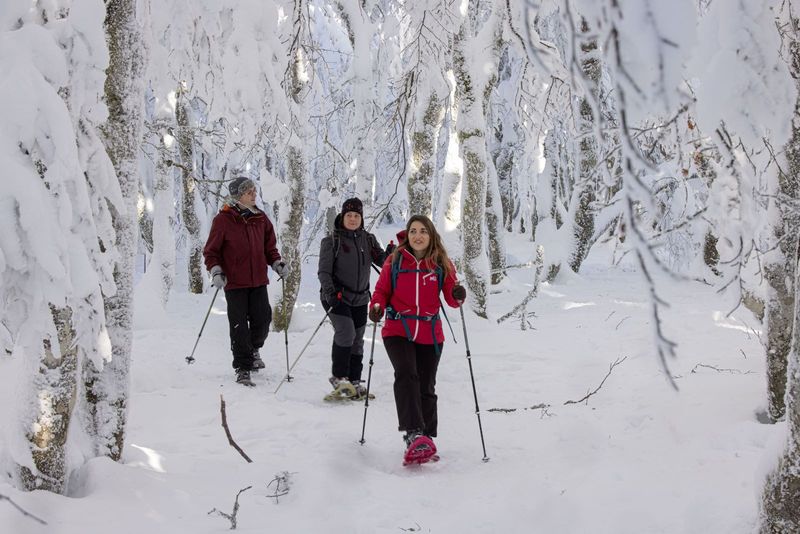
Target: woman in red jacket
x,y
408,292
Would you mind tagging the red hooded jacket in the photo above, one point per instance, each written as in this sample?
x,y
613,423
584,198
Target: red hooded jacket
x,y
242,246
416,293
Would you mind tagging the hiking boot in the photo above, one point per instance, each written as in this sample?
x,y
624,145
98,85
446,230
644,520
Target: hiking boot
x,y
243,377
411,436
342,387
337,382
258,363
361,390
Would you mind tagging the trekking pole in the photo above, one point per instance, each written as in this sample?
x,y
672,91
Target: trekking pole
x,y
289,377
369,379
302,351
190,358
472,377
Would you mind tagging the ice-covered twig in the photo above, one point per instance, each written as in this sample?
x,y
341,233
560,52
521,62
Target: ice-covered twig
x,y
232,516
281,482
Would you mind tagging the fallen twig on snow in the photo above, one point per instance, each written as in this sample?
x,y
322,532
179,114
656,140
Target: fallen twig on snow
x,y
281,482
22,510
721,370
541,406
232,516
228,431
610,369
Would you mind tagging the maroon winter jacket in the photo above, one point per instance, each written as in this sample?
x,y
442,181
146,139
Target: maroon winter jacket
x,y
243,247
416,293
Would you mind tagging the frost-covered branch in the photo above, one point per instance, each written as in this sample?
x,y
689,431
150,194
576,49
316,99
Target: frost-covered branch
x,y
232,517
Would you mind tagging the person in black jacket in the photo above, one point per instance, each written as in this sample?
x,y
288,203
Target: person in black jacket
x,y
345,259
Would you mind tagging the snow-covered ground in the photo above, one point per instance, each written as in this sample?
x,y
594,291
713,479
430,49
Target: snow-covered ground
x,y
637,457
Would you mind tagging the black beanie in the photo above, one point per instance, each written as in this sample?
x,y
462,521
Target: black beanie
x,y
353,204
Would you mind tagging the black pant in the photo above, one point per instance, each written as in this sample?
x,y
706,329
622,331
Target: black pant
x,y
415,368
347,353
249,317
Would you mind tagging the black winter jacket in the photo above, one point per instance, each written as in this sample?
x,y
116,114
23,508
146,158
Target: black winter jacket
x,y
344,263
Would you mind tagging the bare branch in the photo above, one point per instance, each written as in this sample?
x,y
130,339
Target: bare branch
x,y
228,432
610,369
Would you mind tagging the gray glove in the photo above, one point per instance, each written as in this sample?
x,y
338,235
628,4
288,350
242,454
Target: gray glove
x,y
218,278
280,268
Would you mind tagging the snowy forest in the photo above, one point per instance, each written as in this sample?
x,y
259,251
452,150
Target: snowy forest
x,y
664,134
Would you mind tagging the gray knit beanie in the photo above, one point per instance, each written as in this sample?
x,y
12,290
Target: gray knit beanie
x,y
240,186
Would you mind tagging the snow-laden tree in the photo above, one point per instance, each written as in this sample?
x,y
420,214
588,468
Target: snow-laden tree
x,y
57,244
291,215
428,29
361,35
781,499
475,60
107,387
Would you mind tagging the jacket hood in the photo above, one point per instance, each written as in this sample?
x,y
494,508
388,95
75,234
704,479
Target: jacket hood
x,y
401,237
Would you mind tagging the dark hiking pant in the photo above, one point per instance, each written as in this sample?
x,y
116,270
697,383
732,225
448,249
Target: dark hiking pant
x,y
249,317
347,353
415,368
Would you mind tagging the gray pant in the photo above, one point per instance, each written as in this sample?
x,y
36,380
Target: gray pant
x,y
347,354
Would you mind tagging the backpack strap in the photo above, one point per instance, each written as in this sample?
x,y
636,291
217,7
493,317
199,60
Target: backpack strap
x,y
392,314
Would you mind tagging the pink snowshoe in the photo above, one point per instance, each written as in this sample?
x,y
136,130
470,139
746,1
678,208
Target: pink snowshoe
x,y
421,450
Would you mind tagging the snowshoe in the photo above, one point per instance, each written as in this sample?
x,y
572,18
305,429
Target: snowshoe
x,y
342,390
421,450
243,378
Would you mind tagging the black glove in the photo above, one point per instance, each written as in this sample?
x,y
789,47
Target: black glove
x,y
375,313
459,293
334,300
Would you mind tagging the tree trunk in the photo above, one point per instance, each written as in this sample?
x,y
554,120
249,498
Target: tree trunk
x,y
163,209
423,156
191,222
55,387
583,192
292,224
471,126
780,503
290,237
107,389
780,262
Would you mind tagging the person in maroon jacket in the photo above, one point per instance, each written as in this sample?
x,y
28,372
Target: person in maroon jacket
x,y
240,246
408,289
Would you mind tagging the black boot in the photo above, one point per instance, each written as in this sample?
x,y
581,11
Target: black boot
x,y
243,377
258,363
